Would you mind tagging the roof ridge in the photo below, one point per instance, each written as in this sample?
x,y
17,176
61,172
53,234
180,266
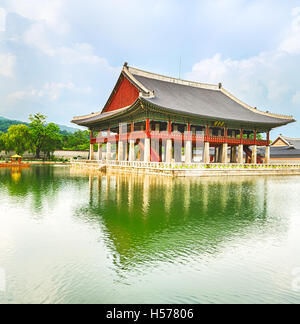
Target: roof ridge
x,y
290,138
165,78
86,116
134,71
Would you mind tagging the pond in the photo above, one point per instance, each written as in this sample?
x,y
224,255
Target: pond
x,y
69,237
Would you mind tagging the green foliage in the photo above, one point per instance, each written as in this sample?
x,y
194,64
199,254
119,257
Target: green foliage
x,y
52,140
79,141
2,142
40,137
46,138
18,139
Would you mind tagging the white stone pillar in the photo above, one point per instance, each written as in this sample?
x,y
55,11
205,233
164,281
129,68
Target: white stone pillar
x,y
188,152
169,151
241,154
131,150
233,154
254,154
121,151
147,150
224,154
206,153
268,155
99,158
217,149
108,151
91,152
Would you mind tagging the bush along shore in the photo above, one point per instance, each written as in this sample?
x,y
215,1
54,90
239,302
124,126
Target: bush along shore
x,y
41,140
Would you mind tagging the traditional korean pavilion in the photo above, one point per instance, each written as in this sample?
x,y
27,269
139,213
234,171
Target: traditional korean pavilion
x,y
154,118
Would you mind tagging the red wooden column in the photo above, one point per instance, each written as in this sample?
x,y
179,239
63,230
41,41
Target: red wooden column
x,y
131,156
206,146
148,128
108,146
189,127
255,137
207,132
169,145
268,149
170,127
132,127
147,147
226,134
242,135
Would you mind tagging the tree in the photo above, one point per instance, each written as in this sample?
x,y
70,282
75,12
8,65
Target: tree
x,y
37,130
45,138
79,141
2,142
53,139
18,139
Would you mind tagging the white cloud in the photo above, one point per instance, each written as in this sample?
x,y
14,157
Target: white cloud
x,y
291,44
2,19
77,54
36,36
51,12
7,65
51,91
268,78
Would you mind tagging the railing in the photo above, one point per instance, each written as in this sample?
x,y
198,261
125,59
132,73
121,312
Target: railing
x,y
179,137
183,166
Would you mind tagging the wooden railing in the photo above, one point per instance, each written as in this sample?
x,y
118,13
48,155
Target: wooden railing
x,y
177,136
183,166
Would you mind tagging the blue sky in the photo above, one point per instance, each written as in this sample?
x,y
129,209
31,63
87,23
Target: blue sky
x,y
63,57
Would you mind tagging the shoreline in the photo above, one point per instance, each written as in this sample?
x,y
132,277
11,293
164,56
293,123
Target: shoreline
x,y
39,163
181,171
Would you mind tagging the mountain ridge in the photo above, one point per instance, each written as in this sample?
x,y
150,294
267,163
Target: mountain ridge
x,y
5,123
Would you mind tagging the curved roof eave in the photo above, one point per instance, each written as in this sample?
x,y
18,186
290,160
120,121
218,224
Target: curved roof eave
x,y
99,117
193,115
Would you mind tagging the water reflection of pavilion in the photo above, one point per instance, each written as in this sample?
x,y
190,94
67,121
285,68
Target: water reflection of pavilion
x,y
155,218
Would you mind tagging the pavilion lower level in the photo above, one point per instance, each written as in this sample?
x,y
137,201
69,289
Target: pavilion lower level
x,y
160,141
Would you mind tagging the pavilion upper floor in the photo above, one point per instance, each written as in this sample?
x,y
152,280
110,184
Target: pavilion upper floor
x,y
215,133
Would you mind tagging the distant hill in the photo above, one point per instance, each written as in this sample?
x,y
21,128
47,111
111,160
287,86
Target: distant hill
x,y
5,123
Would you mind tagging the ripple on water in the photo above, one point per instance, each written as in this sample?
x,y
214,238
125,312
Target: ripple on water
x,y
71,238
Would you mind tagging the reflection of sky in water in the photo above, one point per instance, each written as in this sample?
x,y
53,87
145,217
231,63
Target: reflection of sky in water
x,y
117,239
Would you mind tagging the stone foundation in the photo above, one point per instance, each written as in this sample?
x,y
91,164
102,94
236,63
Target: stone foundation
x,y
193,170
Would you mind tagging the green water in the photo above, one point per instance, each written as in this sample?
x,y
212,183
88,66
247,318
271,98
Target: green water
x,y
67,237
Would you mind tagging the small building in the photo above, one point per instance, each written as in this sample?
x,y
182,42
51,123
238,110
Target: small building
x,y
285,150
154,118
